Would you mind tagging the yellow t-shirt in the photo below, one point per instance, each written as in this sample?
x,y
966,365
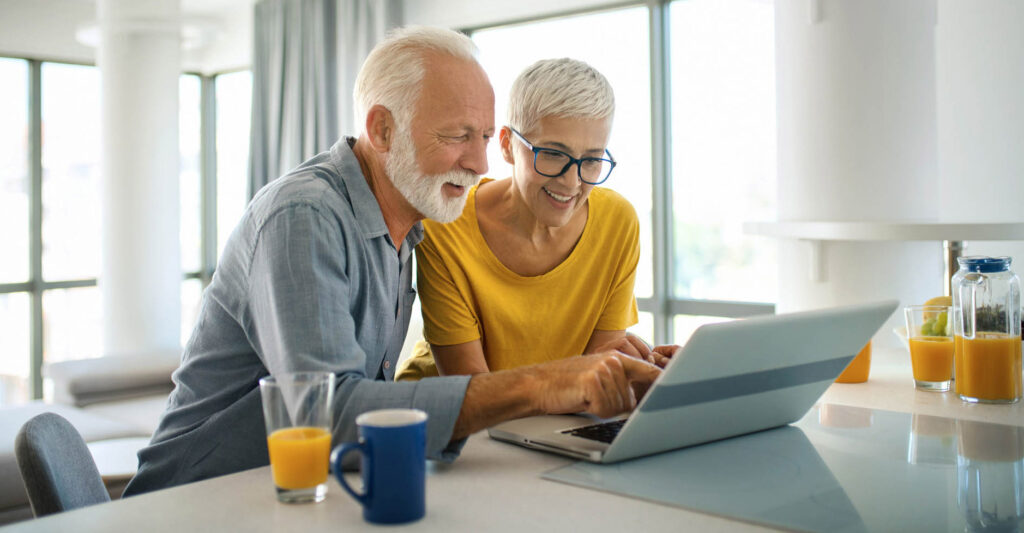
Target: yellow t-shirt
x,y
467,293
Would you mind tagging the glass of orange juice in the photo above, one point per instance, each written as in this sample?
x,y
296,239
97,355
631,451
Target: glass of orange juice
x,y
297,413
930,332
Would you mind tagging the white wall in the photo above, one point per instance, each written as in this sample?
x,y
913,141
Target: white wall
x,y
45,29
476,13
231,48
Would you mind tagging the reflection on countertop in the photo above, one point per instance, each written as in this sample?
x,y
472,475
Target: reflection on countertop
x,y
921,472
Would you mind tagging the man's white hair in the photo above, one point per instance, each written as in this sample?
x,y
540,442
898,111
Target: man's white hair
x,y
392,74
560,88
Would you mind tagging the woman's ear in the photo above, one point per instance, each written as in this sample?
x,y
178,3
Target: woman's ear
x,y
505,141
380,128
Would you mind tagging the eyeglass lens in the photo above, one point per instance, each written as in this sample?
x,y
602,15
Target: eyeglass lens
x,y
551,163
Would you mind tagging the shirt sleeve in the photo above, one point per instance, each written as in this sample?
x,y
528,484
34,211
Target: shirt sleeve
x,y
299,319
620,310
447,316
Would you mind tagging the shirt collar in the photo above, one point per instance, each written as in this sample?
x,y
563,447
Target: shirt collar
x,y
364,203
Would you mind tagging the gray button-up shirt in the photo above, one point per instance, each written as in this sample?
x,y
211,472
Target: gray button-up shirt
x,y
309,280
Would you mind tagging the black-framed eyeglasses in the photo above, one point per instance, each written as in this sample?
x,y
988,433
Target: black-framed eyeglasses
x,y
553,163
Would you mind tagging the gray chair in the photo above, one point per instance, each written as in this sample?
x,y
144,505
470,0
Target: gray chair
x,y
56,466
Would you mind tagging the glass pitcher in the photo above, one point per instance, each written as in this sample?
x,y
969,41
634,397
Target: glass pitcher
x,y
986,325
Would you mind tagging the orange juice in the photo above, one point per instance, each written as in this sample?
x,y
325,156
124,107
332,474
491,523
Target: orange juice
x,y
932,358
958,362
858,369
991,368
299,456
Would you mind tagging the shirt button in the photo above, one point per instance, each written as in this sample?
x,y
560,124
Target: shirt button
x,y
387,365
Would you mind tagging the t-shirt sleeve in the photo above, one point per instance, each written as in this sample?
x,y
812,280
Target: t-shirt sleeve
x,y
620,311
447,316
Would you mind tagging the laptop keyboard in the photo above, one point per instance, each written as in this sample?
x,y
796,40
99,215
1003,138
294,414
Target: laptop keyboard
x,y
605,432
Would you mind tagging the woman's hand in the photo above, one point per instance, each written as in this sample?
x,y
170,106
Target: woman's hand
x,y
634,346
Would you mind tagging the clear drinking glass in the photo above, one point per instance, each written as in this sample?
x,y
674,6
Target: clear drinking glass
x,y
297,412
930,336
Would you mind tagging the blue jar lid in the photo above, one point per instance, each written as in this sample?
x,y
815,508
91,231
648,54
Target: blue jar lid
x,y
980,263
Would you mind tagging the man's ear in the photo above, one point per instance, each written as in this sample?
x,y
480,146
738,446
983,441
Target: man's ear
x,y
380,128
505,141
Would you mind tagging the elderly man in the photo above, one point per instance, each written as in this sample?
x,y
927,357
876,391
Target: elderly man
x,y
317,276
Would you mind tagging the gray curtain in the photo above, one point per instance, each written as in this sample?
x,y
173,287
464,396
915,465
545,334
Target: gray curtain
x,y
306,57
361,25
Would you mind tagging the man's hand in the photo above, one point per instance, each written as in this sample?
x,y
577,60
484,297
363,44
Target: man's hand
x,y
634,346
604,384
601,384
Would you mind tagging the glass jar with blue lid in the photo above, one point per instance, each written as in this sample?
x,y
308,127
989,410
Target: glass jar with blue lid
x,y
987,329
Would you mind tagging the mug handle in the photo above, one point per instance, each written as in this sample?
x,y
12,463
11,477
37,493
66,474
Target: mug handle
x,y
336,459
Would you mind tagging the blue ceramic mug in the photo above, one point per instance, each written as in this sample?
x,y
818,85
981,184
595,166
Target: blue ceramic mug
x,y
393,444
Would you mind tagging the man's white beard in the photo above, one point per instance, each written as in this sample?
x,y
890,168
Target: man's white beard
x,y
425,193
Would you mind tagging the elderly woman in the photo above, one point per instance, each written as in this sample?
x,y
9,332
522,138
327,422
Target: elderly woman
x,y
541,265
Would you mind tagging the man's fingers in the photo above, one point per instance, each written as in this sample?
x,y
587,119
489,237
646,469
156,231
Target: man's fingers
x,y
621,384
607,400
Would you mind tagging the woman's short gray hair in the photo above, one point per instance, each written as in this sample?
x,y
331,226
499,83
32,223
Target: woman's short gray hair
x,y
561,88
392,74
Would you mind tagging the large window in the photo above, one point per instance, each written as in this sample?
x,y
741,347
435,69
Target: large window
x,y
712,169
71,171
190,144
15,365
14,238
723,148
191,182
14,183
71,210
234,108
50,208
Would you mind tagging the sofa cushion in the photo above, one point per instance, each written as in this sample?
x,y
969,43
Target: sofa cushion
x,y
141,413
111,378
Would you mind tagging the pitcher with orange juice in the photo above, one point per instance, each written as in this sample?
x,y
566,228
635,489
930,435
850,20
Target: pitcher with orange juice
x,y
987,327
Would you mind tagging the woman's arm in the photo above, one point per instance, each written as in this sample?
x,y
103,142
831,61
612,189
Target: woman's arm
x,y
465,358
602,337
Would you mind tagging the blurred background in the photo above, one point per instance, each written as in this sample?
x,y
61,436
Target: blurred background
x,y
728,112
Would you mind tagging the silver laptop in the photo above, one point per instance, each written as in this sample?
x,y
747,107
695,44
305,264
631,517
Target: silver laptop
x,y
729,379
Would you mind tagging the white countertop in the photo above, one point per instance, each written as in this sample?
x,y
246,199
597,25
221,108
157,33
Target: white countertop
x,y
493,486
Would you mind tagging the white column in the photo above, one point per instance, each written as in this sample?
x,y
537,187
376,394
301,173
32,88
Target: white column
x,y
980,83
857,142
140,277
